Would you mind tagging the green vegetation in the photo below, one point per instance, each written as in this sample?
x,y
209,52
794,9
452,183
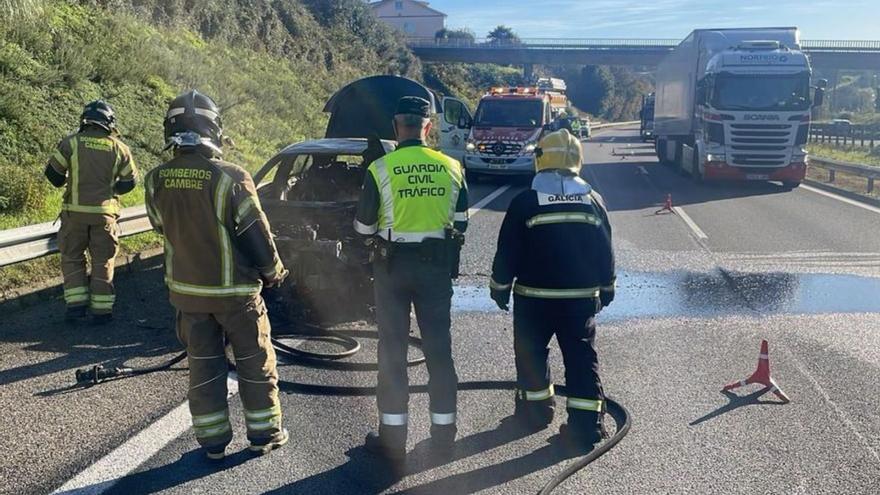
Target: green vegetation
x,y
469,81
852,154
270,65
610,93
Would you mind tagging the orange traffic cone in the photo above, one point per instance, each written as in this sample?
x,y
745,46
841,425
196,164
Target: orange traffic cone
x,y
667,206
761,376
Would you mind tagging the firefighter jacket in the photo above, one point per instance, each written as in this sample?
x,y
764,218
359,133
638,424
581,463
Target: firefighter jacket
x,y
555,241
93,161
201,206
412,194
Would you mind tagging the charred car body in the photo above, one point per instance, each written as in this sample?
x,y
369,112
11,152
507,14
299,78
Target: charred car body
x,y
310,191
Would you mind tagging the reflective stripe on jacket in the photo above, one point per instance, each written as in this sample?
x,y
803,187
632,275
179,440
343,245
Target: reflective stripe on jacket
x,y
200,206
93,162
413,194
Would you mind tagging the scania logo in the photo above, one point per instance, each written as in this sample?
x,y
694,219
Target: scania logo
x,y
756,116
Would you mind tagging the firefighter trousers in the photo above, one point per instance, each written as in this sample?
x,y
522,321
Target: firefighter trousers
x,y
404,282
248,331
535,322
99,235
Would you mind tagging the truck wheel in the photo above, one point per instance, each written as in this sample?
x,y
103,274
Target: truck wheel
x,y
696,173
789,185
660,149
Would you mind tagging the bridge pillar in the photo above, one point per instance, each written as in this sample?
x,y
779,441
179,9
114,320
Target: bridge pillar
x,y
528,72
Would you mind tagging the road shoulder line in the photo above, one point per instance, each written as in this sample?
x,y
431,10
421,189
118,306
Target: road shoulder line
x,y
690,223
842,199
125,459
479,205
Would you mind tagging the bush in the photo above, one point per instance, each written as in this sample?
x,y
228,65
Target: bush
x,y
269,64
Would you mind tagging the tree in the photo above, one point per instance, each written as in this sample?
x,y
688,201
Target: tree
x,y
503,35
462,35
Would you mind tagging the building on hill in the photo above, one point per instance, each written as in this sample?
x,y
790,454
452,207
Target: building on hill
x,y
413,17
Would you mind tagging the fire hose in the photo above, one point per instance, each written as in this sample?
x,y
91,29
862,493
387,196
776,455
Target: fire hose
x,y
350,345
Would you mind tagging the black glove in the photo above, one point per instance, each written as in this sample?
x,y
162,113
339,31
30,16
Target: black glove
x,y
606,296
501,298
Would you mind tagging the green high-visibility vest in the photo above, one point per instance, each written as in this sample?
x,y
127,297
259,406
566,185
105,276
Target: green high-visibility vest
x,y
418,190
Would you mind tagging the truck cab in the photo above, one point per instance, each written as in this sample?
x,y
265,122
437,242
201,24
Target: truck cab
x,y
744,114
646,117
503,133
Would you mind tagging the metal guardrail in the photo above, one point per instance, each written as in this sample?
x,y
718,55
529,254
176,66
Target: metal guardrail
x,y
845,134
36,241
611,43
833,166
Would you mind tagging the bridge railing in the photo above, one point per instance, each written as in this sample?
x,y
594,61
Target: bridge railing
x,y
612,43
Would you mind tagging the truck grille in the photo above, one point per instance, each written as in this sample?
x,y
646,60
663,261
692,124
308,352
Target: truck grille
x,y
760,145
499,148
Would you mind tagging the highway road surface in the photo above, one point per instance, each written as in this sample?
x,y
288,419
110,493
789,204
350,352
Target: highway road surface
x,y
698,290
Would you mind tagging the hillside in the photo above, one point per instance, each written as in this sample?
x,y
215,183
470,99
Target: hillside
x,y
269,64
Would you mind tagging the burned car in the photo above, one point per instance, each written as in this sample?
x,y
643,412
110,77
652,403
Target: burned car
x,y
310,191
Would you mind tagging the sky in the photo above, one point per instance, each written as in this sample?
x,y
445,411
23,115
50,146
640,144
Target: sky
x,y
673,19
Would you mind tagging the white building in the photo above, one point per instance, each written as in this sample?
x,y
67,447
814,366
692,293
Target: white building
x,y
413,17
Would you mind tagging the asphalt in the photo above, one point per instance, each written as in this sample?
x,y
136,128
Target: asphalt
x,y
797,268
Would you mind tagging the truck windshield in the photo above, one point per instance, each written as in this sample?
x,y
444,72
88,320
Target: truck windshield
x,y
762,92
510,113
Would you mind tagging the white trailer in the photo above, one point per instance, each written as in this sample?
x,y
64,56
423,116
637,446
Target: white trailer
x,y
735,104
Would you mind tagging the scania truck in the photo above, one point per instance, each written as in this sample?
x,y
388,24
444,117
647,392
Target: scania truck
x,y
734,104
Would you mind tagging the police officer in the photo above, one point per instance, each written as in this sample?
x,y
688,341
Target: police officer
x,y
555,253
412,200
97,167
219,253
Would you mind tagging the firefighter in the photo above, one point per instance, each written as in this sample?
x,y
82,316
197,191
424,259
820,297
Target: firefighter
x,y
414,206
219,253
555,254
97,167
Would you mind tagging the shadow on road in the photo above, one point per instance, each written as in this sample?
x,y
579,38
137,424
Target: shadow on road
x,y
190,467
633,183
142,327
365,474
736,402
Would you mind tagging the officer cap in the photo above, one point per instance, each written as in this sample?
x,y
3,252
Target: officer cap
x,y
413,105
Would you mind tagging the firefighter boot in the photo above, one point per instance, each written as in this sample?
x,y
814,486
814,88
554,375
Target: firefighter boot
x,y
443,440
582,433
534,415
75,313
264,446
389,442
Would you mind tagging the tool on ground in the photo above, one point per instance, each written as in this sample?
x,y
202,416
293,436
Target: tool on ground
x,y
761,376
667,206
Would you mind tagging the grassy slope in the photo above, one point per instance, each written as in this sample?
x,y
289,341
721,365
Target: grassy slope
x,y
271,65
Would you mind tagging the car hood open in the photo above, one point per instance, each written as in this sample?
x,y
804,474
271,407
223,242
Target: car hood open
x,y
365,107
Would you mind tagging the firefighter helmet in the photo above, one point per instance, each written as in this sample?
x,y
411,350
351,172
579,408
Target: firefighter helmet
x,y
193,120
98,113
559,150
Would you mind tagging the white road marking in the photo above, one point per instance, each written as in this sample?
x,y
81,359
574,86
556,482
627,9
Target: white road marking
x,y
840,413
125,459
643,170
842,199
488,199
690,223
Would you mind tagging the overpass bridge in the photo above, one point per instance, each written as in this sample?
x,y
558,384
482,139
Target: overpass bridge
x,y
824,54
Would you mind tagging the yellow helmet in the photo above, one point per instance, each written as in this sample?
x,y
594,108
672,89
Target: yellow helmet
x,y
559,150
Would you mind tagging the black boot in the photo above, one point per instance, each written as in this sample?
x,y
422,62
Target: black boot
x,y
75,313
102,319
582,433
534,416
389,442
443,440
